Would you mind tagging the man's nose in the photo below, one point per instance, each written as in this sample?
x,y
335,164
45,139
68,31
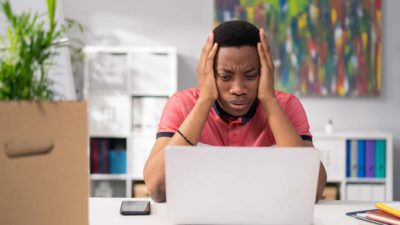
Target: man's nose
x,y
238,87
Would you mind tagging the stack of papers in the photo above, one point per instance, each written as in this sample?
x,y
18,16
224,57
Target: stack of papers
x,y
386,213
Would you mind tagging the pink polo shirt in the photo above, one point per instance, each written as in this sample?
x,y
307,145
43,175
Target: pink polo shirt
x,y
220,129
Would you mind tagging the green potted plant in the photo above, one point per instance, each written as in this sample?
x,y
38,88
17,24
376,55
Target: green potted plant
x,y
26,53
43,143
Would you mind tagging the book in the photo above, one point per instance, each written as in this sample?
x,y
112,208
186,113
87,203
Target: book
x,y
370,158
391,208
94,155
381,216
380,158
361,158
105,149
348,158
117,161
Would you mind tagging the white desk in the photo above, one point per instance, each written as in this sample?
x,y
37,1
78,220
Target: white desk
x,y
105,211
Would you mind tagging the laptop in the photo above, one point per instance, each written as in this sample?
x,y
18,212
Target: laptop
x,y
241,185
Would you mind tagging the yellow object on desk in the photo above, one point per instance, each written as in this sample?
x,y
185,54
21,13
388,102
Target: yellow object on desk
x,y
391,208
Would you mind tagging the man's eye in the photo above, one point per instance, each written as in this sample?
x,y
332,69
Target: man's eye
x,y
251,76
225,77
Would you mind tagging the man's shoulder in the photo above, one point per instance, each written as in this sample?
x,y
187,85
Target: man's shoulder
x,y
287,99
283,96
187,97
192,92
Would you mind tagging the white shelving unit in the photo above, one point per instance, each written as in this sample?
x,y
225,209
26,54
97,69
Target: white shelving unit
x,y
333,154
126,88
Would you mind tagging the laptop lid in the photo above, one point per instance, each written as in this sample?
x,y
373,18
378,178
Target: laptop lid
x,y
241,185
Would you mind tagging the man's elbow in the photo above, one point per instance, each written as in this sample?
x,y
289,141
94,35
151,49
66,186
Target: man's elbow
x,y
157,193
155,187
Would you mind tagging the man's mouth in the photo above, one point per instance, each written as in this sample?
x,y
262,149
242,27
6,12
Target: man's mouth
x,y
239,105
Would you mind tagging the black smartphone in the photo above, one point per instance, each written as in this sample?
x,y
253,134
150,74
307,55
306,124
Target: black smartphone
x,y
135,208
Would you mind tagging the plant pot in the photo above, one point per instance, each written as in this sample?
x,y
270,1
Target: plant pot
x,y
44,177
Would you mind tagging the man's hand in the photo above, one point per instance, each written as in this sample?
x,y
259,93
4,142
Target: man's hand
x,y
266,89
205,70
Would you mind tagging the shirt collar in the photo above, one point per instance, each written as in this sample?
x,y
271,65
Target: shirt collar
x,y
227,117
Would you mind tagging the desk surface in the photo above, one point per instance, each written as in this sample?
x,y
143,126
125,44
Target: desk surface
x,y
105,211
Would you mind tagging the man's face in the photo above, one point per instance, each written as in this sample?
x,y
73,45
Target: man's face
x,y
237,76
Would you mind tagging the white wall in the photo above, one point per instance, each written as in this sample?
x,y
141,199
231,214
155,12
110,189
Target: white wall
x,y
181,23
186,24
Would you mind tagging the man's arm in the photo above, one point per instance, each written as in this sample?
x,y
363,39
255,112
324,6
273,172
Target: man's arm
x,y
284,133
321,177
286,136
154,172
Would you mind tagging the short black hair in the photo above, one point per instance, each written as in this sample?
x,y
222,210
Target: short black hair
x,y
236,33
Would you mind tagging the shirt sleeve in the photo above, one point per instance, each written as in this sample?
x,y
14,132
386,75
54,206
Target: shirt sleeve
x,y
171,118
297,116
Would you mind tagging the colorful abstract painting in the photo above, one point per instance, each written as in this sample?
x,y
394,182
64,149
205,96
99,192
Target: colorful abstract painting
x,y
320,47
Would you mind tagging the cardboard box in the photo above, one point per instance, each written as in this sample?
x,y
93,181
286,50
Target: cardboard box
x,y
44,172
330,193
140,191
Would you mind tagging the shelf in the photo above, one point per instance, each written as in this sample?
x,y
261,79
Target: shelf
x,y
353,134
126,88
108,136
125,49
340,154
109,176
335,180
369,180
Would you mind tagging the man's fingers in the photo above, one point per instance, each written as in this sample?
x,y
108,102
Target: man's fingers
x,y
266,48
263,39
261,53
210,57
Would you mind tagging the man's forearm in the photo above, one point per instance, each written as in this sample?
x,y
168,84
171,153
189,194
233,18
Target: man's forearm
x,y
191,128
193,125
286,136
284,133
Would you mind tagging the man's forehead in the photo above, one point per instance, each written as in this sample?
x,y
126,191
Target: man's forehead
x,y
244,53
234,66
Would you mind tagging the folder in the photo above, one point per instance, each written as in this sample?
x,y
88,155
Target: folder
x,y
361,158
370,158
380,159
354,158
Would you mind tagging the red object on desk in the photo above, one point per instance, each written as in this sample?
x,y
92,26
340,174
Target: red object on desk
x,y
381,216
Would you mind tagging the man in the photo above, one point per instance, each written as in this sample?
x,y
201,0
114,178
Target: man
x,y
235,104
